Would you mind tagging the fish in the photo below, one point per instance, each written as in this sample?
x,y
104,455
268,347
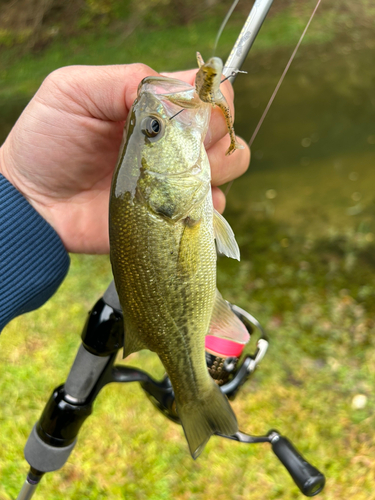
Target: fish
x,y
207,84
163,229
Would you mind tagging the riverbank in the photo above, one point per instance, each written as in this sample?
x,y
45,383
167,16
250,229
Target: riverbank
x,y
168,48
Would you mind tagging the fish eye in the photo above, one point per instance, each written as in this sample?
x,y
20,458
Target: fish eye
x,y
151,127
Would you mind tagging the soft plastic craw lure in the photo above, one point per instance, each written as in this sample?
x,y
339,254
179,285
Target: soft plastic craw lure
x,y
207,85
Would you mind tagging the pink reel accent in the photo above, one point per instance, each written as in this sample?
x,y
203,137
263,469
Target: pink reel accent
x,y
223,348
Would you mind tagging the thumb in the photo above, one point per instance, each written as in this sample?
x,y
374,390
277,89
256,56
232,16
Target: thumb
x,y
103,92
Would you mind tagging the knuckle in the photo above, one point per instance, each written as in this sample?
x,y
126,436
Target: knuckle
x,y
58,81
141,70
57,76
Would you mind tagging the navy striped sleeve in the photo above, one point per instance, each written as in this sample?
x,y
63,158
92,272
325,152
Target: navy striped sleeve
x,y
33,260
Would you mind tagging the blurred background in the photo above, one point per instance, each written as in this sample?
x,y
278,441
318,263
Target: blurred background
x,y
304,218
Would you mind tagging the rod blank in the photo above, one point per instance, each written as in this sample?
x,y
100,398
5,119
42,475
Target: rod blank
x,y
247,36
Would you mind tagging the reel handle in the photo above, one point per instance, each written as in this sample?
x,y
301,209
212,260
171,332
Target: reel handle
x,y
307,477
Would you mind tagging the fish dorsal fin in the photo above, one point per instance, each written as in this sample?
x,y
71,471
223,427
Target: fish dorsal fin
x,y
226,243
225,324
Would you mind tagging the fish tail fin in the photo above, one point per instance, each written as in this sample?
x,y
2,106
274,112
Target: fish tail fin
x,y
203,418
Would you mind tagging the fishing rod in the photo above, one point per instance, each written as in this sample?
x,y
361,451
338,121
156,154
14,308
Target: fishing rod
x,y
54,436
246,38
236,58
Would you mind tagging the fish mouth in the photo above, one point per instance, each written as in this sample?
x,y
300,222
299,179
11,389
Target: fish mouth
x,y
162,85
176,91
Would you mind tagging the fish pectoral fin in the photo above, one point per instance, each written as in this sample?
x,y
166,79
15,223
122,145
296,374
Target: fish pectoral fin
x,y
225,324
205,417
132,341
226,243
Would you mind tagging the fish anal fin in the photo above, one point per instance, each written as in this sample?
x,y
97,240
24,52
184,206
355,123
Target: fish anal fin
x,y
226,243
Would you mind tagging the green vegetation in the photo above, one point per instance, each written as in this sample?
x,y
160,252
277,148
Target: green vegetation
x,y
304,219
317,311
106,33
160,49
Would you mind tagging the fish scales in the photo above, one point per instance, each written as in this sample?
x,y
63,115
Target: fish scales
x,y
163,250
161,298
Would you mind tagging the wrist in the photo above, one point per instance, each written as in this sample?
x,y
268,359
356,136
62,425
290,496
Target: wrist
x,y
4,168
33,258
6,172
2,165
9,174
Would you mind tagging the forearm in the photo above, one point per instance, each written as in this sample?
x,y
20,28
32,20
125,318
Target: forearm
x,y
33,260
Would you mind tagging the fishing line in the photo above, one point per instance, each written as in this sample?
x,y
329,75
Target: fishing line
x,y
282,76
223,24
233,74
178,112
278,84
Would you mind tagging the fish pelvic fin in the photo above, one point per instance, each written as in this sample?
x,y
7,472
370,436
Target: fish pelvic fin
x,y
203,418
132,342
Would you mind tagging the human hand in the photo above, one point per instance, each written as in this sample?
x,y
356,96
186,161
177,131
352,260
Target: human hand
x,y
62,152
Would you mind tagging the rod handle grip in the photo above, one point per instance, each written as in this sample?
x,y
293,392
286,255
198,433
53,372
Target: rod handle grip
x,y
307,477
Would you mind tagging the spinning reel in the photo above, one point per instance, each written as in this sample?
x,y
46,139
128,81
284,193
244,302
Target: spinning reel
x,y
55,434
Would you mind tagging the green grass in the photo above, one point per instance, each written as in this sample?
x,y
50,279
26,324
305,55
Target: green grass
x,y
304,388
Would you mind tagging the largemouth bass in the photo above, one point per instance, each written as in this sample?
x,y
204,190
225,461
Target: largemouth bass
x,y
207,84
162,233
